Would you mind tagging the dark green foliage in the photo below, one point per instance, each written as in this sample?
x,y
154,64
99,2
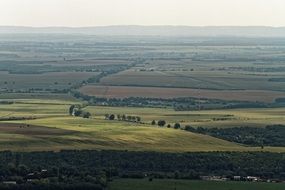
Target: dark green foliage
x,y
112,117
6,102
123,117
255,136
178,104
71,108
280,100
276,79
138,119
47,186
86,114
96,166
77,112
189,128
177,126
161,123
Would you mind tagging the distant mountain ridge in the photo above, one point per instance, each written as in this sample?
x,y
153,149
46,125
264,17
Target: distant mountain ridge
x,y
210,31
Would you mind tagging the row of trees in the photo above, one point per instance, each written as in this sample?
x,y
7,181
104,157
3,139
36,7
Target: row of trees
x,y
97,167
178,104
273,135
131,118
123,117
162,123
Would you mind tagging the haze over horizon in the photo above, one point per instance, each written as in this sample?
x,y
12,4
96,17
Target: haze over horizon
x,y
88,13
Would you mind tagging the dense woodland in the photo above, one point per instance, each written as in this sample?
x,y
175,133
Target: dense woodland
x,y
93,169
255,136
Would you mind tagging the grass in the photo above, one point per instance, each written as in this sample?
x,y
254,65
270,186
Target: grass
x,y
102,134
169,184
53,129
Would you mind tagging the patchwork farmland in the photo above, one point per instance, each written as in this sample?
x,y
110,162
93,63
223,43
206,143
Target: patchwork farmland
x,y
158,92
101,110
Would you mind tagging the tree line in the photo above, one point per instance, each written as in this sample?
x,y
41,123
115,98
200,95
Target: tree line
x,y
90,168
123,117
178,104
272,135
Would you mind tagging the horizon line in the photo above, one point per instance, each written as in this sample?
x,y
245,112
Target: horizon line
x,y
137,25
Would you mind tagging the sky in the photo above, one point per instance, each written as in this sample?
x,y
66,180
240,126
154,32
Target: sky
x,y
80,13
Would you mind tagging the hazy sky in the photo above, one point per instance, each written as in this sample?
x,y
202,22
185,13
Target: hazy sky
x,y
142,12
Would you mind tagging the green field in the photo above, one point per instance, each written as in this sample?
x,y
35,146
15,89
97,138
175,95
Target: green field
x,y
169,184
46,125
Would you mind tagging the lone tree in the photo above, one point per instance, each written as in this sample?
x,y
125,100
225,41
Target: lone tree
x,y
177,126
153,122
138,119
168,126
112,117
71,108
129,118
77,112
161,123
134,119
86,115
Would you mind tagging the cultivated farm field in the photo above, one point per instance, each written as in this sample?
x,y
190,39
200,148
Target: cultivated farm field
x,y
167,93
41,77
55,80
258,117
206,74
34,125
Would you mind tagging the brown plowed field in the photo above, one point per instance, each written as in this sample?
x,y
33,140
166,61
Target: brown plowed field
x,y
31,130
158,92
